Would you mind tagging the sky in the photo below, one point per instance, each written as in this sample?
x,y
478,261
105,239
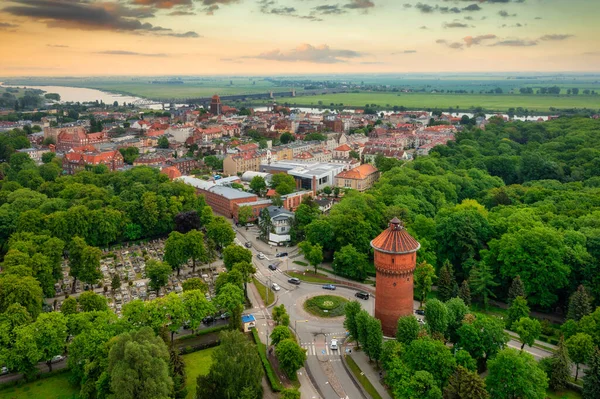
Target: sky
x,y
258,37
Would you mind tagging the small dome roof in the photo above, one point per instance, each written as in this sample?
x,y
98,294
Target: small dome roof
x,y
395,239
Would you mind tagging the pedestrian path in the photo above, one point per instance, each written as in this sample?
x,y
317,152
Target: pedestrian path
x,y
322,351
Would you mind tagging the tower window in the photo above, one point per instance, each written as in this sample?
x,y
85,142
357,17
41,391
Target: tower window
x,y
393,260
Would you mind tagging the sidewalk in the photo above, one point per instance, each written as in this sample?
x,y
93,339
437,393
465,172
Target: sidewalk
x,y
370,371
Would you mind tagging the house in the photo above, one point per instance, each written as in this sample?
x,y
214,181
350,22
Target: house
x,y
34,153
171,171
77,160
360,178
342,151
249,322
184,165
282,221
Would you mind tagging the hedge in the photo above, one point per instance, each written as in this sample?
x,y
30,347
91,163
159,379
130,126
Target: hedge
x,y
273,380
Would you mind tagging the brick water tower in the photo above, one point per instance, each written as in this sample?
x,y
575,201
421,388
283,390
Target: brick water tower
x,y
395,262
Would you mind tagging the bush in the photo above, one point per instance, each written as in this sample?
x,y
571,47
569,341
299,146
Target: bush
x,y
271,376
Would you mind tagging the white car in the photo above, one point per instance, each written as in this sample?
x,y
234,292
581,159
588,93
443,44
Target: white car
x,y
333,345
260,255
3,370
57,358
275,287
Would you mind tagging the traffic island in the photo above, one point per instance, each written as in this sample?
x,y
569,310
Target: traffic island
x,y
325,306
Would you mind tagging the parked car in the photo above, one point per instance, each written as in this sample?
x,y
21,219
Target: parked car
x,y
329,287
57,358
224,316
248,244
275,287
420,311
333,345
272,267
208,320
281,254
362,295
3,371
294,280
261,255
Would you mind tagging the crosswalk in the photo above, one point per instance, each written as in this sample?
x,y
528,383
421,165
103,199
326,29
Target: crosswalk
x,y
313,350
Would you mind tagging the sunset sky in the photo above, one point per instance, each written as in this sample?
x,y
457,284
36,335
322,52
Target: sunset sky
x,y
197,37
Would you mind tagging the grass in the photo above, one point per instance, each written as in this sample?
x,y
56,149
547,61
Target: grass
x,y
262,290
197,363
563,395
298,262
364,381
311,277
55,387
274,381
326,305
491,102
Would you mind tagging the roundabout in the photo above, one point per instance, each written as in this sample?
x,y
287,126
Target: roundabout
x,y
326,306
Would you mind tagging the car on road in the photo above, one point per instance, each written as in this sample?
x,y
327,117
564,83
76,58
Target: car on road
x,y
248,244
224,316
329,287
208,320
275,287
3,371
57,358
273,267
281,254
260,255
333,345
294,280
362,295
420,312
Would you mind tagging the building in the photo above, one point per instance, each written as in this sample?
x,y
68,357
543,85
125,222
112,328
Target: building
x,y
77,160
243,162
171,171
249,322
215,105
35,153
395,260
282,221
342,151
185,165
308,176
361,178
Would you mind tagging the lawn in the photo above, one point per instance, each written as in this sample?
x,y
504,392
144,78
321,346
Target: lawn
x,y
364,381
311,277
491,102
326,305
563,395
262,290
197,363
55,387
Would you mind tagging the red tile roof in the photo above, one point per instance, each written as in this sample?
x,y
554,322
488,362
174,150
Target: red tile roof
x,y
395,239
171,171
344,147
358,173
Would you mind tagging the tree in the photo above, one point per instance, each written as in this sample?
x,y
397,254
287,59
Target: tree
x,y
362,320
430,355
89,301
235,368
481,281
517,310
280,333
220,231
447,287
69,306
47,157
194,283
283,183
265,224
464,292
528,329
457,310
84,262
163,142
591,380
374,339
115,282
286,138
187,221
258,185
465,384
50,334
158,272
197,307
422,385
280,316
176,254
580,304
423,280
138,366
408,329
350,263
291,357
233,254
22,290
312,253
231,297
580,348
436,315
24,354
130,154
517,288
482,338
513,374
245,214
246,270
465,360
195,247
351,310
560,370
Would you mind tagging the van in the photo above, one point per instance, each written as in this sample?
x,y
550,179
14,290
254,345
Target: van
x,y
362,295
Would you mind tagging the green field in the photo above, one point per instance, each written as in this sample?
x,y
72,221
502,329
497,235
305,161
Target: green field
x,y
55,387
197,363
262,291
326,305
563,395
492,102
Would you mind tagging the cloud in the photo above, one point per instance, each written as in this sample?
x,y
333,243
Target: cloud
x,y
322,54
555,37
181,13
329,9
7,25
425,8
360,4
429,9
423,27
455,25
163,3
85,16
515,43
452,45
407,5
472,7
57,45
270,7
505,14
405,52
371,63
538,18
130,53
474,40
189,34
593,53
210,6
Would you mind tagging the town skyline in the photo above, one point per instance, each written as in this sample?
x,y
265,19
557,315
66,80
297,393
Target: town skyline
x,y
229,37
